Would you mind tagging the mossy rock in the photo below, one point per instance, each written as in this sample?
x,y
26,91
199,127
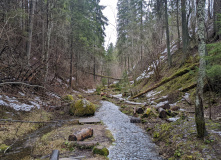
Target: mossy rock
x,y
101,151
3,147
68,98
80,96
82,107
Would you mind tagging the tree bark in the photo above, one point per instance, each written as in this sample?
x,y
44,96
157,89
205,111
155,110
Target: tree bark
x,y
49,30
30,31
199,113
216,18
83,134
168,36
177,21
185,35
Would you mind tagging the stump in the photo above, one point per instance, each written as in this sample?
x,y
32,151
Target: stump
x,y
83,134
162,113
139,110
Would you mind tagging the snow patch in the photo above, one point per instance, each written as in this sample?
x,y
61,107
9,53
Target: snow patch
x,y
145,75
173,119
90,91
15,104
161,103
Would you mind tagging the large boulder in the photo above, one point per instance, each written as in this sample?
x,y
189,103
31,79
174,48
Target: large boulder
x,y
82,107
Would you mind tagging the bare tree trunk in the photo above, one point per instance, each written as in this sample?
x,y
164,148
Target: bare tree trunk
x,y
30,31
177,21
185,35
209,12
71,64
216,18
168,36
49,30
199,113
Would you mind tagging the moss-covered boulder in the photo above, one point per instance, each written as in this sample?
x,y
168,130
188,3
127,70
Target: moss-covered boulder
x,y
101,151
82,107
3,147
68,98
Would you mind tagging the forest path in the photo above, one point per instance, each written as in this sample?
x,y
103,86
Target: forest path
x,y
131,142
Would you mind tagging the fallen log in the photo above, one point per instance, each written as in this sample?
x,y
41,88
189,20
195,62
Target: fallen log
x,y
189,87
83,134
162,113
135,120
55,155
180,73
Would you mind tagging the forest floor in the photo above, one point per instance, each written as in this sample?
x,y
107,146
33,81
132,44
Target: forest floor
x,y
177,136
37,140
176,140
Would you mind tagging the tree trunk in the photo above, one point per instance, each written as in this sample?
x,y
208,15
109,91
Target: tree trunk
x,y
216,18
185,36
168,36
83,134
178,26
71,64
30,31
49,30
199,114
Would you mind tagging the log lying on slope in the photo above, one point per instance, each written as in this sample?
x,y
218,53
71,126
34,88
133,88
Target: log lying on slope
x,y
83,134
180,73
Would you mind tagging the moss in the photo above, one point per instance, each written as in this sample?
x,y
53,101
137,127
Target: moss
x,y
68,98
156,134
80,96
188,157
101,151
104,98
3,147
148,111
82,107
109,135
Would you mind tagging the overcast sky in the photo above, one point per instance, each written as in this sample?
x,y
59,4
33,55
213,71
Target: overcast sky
x,y
111,13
